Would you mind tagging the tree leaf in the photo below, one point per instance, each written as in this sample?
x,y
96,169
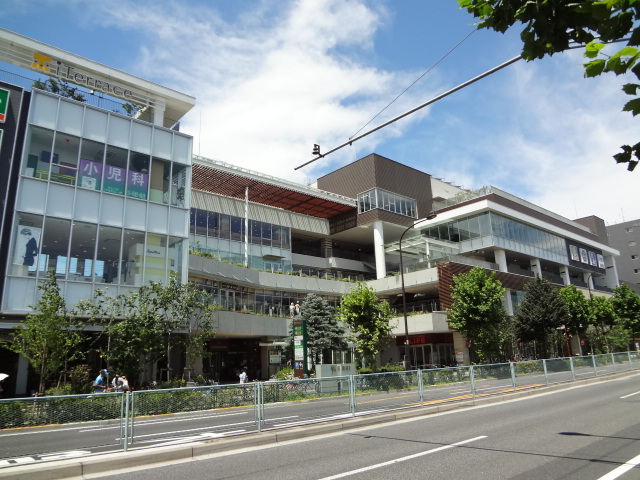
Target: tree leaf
x,y
592,49
630,88
594,68
632,106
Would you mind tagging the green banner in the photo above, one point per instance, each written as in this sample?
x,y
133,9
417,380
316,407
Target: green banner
x,y
4,104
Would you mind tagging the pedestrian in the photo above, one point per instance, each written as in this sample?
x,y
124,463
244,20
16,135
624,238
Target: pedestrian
x,y
114,382
243,375
292,309
297,309
120,383
100,384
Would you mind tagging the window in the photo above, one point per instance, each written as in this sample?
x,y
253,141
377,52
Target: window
x,y
27,240
388,201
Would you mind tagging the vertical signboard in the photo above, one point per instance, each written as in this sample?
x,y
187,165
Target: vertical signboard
x,y
4,104
299,347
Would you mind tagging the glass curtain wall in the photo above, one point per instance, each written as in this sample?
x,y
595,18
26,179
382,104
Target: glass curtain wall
x,y
104,167
391,202
499,231
224,235
257,301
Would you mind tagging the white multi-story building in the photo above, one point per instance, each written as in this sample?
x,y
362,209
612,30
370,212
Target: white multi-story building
x,y
112,201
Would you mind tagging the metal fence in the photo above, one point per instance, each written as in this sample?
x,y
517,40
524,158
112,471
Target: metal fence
x,y
81,424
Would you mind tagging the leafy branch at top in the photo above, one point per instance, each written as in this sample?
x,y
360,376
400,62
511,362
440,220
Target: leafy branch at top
x,y
551,26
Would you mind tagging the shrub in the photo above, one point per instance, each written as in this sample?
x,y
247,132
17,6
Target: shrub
x,y
80,379
285,374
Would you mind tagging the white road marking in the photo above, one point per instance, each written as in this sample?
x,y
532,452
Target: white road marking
x,y
37,458
630,395
402,459
622,469
321,419
176,432
195,438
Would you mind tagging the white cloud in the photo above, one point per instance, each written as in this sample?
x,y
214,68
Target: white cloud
x,y
269,87
549,137
274,79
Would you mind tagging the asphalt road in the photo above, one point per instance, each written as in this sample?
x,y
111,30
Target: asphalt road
x,y
34,444
584,432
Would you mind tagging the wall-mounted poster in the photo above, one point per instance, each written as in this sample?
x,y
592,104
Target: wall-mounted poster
x,y
584,258
601,261
592,259
574,253
90,174
26,250
114,178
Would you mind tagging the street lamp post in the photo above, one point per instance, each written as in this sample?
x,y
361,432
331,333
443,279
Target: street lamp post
x,y
431,216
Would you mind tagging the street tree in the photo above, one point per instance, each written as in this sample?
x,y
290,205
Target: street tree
x,y
606,333
626,305
49,337
368,320
187,309
143,326
608,30
59,87
579,314
478,313
105,311
323,331
540,317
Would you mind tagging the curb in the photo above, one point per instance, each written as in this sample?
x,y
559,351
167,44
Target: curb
x,y
104,463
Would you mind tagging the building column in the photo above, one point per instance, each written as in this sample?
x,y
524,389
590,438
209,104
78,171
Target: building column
x,y
536,267
460,348
21,376
378,245
501,259
611,279
157,113
564,273
326,248
508,302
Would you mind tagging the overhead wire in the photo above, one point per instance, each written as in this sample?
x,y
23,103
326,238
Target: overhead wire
x,y
429,102
433,100
415,81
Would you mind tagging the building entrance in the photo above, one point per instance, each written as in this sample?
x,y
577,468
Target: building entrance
x,y
230,356
228,299
430,355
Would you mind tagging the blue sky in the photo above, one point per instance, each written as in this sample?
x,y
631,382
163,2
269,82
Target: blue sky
x,y
272,78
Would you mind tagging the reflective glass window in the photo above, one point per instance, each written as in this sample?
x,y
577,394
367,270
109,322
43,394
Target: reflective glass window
x,y
225,227
115,170
91,164
64,167
132,257
107,268
55,243
81,253
26,244
38,153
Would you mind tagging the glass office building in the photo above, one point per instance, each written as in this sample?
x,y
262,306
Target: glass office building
x,y
101,201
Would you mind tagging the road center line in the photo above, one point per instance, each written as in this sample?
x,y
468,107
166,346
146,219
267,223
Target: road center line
x,y
630,395
402,459
622,469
